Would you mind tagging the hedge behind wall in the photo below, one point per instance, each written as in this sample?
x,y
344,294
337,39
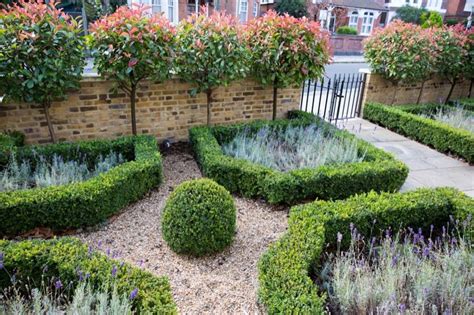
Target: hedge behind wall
x,y
379,171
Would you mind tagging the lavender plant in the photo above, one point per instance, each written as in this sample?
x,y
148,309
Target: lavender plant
x,y
54,301
53,172
404,274
456,117
292,148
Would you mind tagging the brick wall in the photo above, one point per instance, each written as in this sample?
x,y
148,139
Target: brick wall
x,y
164,110
347,44
378,89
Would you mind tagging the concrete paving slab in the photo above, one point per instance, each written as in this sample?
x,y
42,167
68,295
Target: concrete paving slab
x,y
428,167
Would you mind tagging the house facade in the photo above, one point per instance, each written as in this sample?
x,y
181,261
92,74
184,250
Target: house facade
x,y
459,9
176,10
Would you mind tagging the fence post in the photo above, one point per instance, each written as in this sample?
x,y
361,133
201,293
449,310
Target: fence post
x,y
362,95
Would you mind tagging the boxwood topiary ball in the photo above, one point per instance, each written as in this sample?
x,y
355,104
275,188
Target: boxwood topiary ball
x,y
199,218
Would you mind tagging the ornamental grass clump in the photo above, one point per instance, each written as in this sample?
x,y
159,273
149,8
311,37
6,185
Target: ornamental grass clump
x,y
294,147
210,53
456,117
54,171
41,54
129,46
408,273
199,218
286,50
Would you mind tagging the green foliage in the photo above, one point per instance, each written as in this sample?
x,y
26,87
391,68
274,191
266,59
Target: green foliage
x,y
129,46
66,259
41,54
284,270
404,120
431,19
199,218
456,117
379,171
410,14
85,203
295,8
346,30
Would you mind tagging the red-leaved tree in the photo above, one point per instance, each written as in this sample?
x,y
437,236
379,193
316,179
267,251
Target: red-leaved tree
x,y
285,51
129,46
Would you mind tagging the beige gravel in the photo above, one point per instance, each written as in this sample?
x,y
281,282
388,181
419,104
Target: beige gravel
x,y
225,283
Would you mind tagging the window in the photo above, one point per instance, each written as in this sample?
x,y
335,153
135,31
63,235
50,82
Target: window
x,y
156,6
354,19
243,10
255,8
383,19
171,10
367,23
266,1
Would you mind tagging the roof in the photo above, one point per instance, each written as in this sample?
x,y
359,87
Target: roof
x,y
360,4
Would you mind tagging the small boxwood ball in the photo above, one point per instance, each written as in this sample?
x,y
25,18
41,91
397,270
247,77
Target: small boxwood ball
x,y
199,218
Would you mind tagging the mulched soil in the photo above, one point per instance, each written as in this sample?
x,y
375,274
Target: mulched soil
x,y
225,283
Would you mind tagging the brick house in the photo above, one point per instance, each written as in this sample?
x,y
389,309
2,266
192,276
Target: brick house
x,y
459,9
176,10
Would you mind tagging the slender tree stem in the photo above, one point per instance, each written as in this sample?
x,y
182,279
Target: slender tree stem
x,y
421,92
451,89
275,94
133,93
209,101
46,106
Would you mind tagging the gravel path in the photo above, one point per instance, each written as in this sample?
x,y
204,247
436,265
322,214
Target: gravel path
x,y
225,283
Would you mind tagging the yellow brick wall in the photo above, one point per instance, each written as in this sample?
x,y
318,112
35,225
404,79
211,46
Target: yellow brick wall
x,y
164,110
435,90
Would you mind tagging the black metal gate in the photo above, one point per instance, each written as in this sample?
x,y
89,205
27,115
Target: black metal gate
x,y
334,99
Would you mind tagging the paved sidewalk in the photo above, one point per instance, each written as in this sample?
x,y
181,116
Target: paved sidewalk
x,y
348,59
428,167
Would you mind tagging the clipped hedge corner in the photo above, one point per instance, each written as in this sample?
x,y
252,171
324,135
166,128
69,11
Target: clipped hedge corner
x,y
67,258
380,171
285,284
86,203
406,121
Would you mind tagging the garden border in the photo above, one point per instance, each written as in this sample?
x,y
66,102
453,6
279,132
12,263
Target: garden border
x,y
89,202
284,269
380,171
69,260
440,136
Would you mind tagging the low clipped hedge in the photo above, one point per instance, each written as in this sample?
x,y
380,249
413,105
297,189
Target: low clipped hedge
x,y
284,270
86,203
379,171
68,258
346,30
199,218
407,121
467,103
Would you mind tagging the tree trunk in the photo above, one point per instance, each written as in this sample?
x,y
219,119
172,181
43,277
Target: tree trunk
x,y
209,100
46,106
395,87
421,92
275,94
453,84
133,93
470,89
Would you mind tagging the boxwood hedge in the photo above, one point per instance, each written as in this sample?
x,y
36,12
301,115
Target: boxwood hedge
x,y
284,270
407,121
86,203
68,259
379,171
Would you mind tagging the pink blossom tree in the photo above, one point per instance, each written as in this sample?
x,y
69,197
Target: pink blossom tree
x,y
130,46
285,51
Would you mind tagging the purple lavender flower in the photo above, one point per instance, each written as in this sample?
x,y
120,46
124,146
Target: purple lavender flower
x,y
121,264
114,271
1,260
107,252
394,260
426,252
134,294
402,308
58,284
351,226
